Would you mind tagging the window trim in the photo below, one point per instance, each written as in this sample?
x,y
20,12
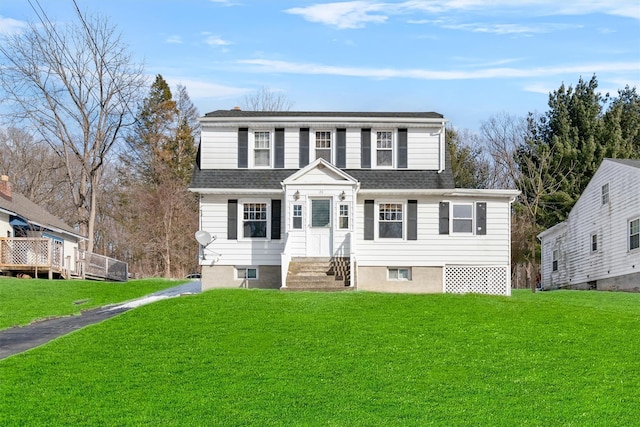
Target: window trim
x,y
241,203
293,216
374,151
604,194
555,256
246,268
332,141
629,235
408,278
403,205
340,216
252,147
452,219
593,244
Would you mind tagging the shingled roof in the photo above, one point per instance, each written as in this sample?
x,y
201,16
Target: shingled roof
x,y
20,206
246,114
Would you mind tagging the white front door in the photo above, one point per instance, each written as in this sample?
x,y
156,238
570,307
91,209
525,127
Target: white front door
x,y
319,231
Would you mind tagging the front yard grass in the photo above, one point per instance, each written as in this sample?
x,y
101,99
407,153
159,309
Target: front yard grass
x,y
268,358
23,301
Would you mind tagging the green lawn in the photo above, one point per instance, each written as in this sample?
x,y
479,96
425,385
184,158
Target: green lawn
x,y
23,301
268,358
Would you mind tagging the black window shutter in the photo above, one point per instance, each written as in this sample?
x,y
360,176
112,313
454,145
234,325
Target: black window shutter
x,y
279,149
243,147
341,148
412,220
304,147
481,218
365,148
276,219
402,149
444,217
232,220
368,219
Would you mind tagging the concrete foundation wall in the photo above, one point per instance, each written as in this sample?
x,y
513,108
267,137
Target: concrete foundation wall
x,y
224,276
625,283
424,280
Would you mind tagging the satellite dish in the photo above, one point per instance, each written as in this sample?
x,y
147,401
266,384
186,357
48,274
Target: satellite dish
x,y
203,237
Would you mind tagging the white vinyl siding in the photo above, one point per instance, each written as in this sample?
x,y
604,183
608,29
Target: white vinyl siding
x,y
291,148
235,252
219,148
423,148
432,248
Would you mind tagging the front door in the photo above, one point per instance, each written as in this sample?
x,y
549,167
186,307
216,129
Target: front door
x,y
319,231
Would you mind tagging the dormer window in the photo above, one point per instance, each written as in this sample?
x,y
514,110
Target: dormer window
x,y
323,145
262,149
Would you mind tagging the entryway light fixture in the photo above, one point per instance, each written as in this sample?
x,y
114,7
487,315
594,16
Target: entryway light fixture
x,y
343,195
296,195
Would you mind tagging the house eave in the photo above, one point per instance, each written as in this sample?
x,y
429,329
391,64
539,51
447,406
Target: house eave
x,y
237,191
456,192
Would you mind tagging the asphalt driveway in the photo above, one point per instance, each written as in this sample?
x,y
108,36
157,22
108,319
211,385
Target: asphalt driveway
x,y
22,338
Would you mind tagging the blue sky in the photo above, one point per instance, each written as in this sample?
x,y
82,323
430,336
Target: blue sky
x,y
466,59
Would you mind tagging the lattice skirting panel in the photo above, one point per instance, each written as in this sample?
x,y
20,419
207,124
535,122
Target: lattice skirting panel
x,y
480,280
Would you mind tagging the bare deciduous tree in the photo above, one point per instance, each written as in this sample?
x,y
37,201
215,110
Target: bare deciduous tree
x,y
74,85
265,99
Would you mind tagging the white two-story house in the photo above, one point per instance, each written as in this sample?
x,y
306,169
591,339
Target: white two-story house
x,y
344,200
598,245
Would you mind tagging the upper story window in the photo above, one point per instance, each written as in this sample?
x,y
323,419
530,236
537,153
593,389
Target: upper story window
x,y
594,243
634,234
605,194
384,148
262,148
323,145
254,220
554,260
390,220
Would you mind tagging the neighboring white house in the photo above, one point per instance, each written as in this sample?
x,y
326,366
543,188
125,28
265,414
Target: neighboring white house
x,y
21,218
366,200
598,245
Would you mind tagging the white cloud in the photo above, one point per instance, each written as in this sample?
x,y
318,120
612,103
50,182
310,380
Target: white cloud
x,y
174,40
10,26
357,14
272,66
216,41
351,14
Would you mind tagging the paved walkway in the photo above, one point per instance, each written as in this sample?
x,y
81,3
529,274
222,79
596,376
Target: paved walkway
x,y
22,338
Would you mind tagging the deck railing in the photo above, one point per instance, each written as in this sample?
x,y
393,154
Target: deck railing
x,y
31,254
94,266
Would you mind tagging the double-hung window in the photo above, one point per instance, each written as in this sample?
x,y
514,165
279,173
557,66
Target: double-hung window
x,y
605,194
323,145
254,220
262,148
554,260
634,234
343,216
594,243
384,148
462,219
390,220
296,218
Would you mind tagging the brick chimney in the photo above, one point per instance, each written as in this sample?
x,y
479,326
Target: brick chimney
x,y
5,187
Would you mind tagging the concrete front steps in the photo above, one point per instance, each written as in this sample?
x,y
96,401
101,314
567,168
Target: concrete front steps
x,y
318,274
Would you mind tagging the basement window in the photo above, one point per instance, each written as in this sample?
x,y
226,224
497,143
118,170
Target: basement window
x,y
397,273
246,273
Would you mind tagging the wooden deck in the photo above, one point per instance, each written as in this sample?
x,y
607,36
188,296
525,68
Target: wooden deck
x,y
40,256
